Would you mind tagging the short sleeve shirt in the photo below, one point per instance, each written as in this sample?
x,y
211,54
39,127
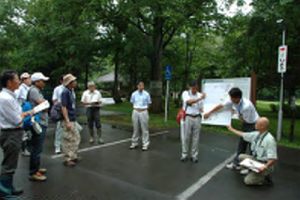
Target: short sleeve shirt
x,y
263,146
68,100
22,93
195,108
34,95
140,100
91,97
245,110
57,93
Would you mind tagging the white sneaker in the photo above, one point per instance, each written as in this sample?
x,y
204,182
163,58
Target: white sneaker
x,y
26,153
133,146
233,166
57,151
230,166
144,148
244,171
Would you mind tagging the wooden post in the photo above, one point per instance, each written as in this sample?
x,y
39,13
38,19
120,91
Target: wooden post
x,y
253,87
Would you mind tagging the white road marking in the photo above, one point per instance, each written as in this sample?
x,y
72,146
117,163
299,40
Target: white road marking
x,y
203,180
108,144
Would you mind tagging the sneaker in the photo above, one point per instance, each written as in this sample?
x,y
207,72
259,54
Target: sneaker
x,y
244,171
69,163
133,146
194,160
100,141
91,140
26,153
38,177
43,170
57,151
233,166
145,148
183,159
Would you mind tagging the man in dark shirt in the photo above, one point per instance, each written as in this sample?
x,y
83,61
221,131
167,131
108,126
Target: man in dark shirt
x,y
71,129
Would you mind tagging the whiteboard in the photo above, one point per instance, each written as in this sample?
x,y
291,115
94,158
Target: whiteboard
x,y
217,92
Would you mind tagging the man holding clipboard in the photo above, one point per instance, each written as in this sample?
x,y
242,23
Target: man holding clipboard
x,y
92,100
264,150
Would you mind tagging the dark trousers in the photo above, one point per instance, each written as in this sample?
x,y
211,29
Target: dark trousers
x,y
11,142
93,117
36,143
243,145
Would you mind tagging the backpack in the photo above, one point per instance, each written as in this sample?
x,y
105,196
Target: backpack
x,y
56,112
27,121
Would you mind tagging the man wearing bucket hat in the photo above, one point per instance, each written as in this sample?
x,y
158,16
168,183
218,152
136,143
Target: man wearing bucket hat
x,y
35,97
71,129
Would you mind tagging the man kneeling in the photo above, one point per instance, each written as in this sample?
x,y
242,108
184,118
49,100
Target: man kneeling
x,y
264,150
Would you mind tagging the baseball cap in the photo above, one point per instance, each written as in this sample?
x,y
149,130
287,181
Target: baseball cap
x,y
37,76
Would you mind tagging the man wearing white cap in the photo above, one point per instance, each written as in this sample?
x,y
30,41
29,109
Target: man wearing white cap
x,y
71,129
35,97
91,98
21,94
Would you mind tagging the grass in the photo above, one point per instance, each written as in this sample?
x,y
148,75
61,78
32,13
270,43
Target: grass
x,y
157,121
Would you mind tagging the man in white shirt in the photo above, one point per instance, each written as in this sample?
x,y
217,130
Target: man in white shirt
x,y
21,94
140,117
247,114
56,98
92,100
193,106
11,118
24,87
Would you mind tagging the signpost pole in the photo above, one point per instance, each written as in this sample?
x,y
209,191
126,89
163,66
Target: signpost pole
x,y
280,110
167,100
168,75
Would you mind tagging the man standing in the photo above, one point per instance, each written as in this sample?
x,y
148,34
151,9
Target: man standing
x,y
56,98
71,129
24,87
91,98
193,106
22,97
11,118
247,114
140,117
35,97
264,150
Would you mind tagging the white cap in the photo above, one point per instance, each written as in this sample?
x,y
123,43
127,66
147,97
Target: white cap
x,y
37,76
25,75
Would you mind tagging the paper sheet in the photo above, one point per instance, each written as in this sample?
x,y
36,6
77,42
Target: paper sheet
x,y
252,164
41,107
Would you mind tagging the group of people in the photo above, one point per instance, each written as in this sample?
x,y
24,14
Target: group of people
x,y
254,133
14,138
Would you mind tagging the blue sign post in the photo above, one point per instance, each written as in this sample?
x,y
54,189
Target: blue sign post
x,y
168,77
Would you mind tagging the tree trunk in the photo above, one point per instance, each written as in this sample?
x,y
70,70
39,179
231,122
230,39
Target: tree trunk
x,y
187,63
116,94
156,68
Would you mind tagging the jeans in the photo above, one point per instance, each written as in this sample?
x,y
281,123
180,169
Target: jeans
x,y
243,145
37,142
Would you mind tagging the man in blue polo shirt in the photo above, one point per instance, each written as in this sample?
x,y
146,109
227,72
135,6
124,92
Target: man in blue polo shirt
x,y
140,117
